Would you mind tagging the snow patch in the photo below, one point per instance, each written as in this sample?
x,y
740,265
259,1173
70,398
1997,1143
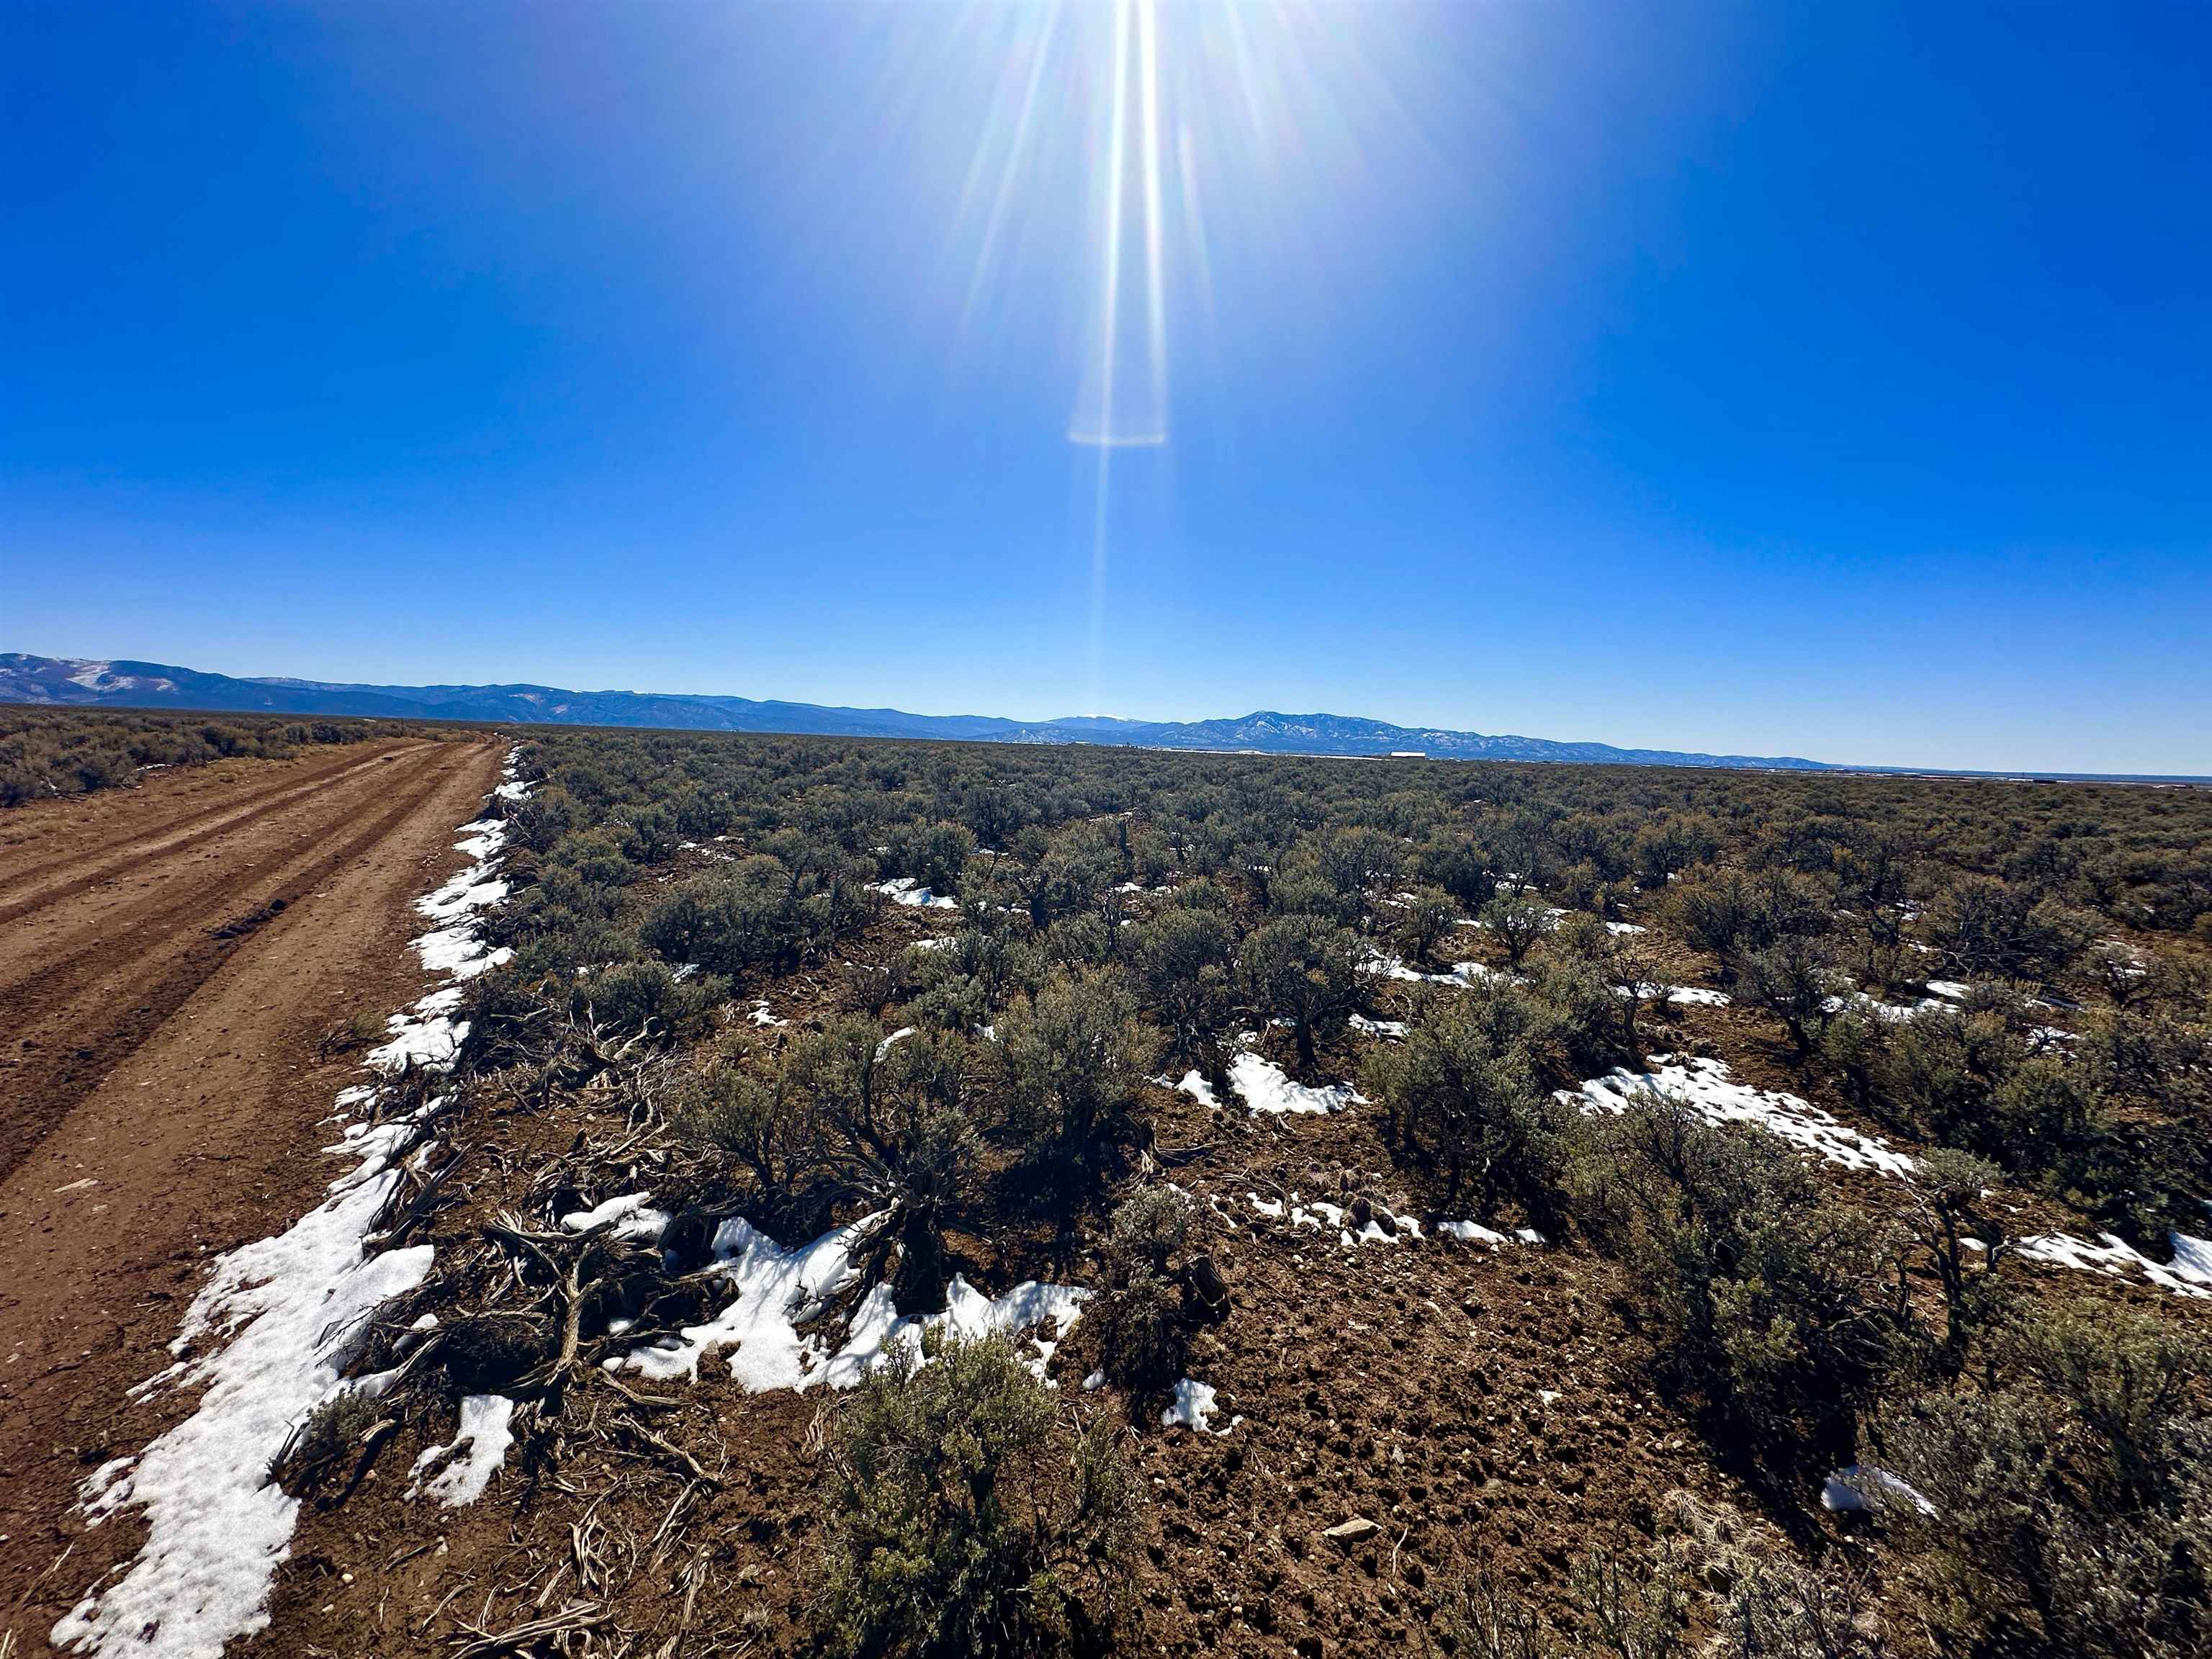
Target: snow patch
x,y
905,890
2190,1273
1705,1086
1681,996
292,1309
1473,1232
1193,1084
1192,1406
1266,1087
474,1456
632,1216
780,1291
1862,1489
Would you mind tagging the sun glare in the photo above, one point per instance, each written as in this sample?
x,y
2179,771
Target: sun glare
x,y
1080,205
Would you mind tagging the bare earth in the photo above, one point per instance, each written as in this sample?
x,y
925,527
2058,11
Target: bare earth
x,y
161,1095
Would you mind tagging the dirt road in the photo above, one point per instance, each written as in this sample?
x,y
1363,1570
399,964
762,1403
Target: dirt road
x,y
169,958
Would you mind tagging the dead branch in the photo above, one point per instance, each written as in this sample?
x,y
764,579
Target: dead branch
x,y
580,1616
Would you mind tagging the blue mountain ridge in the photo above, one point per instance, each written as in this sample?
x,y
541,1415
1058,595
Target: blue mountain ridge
x,y
117,683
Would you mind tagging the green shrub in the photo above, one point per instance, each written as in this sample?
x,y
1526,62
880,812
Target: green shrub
x,y
1182,962
1139,1312
1517,921
1703,1588
1075,942
633,996
1071,1062
1731,912
1141,1330
325,1441
1424,919
965,1517
1970,1078
1960,1240
2069,1508
1303,968
851,1122
1462,1098
1990,928
758,913
1768,1302
934,854
1796,979
1584,1016
46,752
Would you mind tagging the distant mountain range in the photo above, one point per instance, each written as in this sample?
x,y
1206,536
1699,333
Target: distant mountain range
x,y
79,683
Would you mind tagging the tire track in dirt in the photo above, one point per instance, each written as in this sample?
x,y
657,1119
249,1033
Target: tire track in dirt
x,y
54,932
82,993
202,1132
58,942
20,884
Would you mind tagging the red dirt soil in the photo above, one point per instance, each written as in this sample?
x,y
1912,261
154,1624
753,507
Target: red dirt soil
x,y
161,1096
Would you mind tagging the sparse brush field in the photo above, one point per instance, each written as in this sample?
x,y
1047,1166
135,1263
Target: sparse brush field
x,y
898,1198
49,753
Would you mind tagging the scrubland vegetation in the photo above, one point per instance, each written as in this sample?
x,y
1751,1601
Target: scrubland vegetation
x,y
47,753
976,1016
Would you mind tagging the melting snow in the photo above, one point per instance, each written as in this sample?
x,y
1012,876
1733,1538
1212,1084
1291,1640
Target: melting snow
x,y
1681,995
905,890
1892,1011
1193,1084
292,1307
632,1216
1324,1217
460,952
781,1290
2190,1273
1266,1087
473,1457
1473,1232
1864,1490
1705,1086
426,1037
475,889
1390,967
1193,1406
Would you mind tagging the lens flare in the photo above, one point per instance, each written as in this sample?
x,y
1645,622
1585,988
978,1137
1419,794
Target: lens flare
x,y
1113,160
1115,413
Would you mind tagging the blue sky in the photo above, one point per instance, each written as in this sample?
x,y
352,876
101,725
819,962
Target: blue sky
x,y
1830,380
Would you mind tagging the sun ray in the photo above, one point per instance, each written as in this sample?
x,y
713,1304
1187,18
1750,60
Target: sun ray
x,y
1109,306
1155,286
1010,170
